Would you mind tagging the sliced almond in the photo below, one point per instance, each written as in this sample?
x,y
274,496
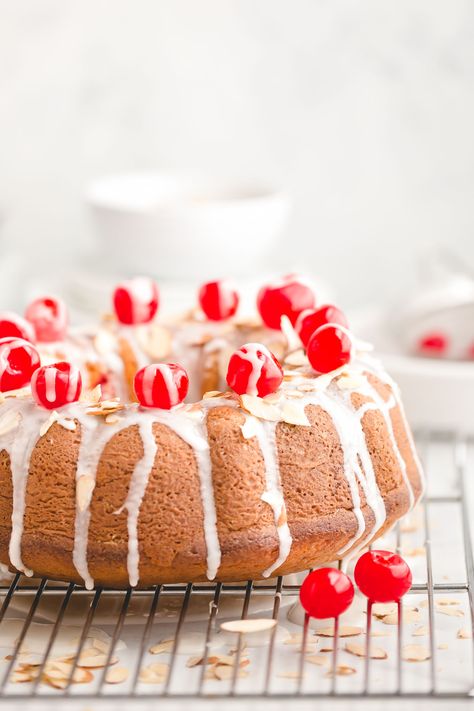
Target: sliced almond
x,y
464,634
259,408
444,601
360,650
420,631
249,626
116,675
212,394
166,645
415,653
84,487
224,672
297,358
67,424
91,396
408,615
451,611
159,668
112,419
344,631
289,675
381,609
154,340
250,428
342,670
95,662
319,659
148,676
351,381
53,417
293,413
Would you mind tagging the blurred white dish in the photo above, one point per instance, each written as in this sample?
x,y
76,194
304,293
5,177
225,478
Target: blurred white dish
x,y
185,228
437,394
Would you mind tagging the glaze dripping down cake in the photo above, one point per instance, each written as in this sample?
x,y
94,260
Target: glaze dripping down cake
x,y
228,486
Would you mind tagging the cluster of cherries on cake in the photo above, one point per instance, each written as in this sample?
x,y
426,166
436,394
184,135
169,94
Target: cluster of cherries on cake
x,y
252,369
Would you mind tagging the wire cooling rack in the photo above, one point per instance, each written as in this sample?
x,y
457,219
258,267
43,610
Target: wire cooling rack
x,y
59,641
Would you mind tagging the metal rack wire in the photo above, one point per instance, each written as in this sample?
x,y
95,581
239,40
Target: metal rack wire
x,y
448,498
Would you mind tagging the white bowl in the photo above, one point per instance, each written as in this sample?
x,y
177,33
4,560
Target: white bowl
x,y
185,228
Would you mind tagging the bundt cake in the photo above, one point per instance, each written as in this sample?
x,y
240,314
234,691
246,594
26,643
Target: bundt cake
x,y
228,486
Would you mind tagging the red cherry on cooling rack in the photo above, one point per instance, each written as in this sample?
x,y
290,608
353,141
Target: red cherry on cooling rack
x,y
56,385
136,301
310,320
329,348
326,592
382,576
433,344
14,326
49,318
161,385
18,361
218,299
254,370
287,297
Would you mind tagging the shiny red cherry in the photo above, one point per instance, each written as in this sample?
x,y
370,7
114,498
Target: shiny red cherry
x,y
329,348
218,300
49,318
161,385
382,576
326,592
14,326
18,361
56,385
254,370
433,344
287,297
310,320
136,301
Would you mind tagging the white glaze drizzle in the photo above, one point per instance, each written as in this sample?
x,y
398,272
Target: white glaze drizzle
x,y
273,494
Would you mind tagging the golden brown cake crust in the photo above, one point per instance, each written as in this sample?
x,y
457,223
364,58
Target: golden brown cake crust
x,y
172,546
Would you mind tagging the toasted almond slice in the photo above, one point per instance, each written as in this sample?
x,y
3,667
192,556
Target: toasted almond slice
x,y
101,645
91,396
294,414
67,424
379,633
351,381
296,358
344,631
464,634
319,659
408,615
360,650
159,668
259,408
223,672
53,417
381,609
96,662
342,670
415,653
324,650
155,340
420,631
22,677
289,675
451,611
295,638
116,675
166,645
9,421
148,676
84,487
249,626
60,683
444,601
212,394
112,419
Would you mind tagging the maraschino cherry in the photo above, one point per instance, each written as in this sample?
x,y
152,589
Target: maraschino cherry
x,y
326,592
161,385
56,385
218,300
310,320
18,361
382,576
14,326
254,370
49,318
136,301
287,297
433,344
329,348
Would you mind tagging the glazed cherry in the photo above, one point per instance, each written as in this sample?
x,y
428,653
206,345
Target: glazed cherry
x,y
18,361
310,320
136,301
14,326
56,385
287,297
49,318
161,385
218,300
433,344
326,592
329,348
254,370
382,576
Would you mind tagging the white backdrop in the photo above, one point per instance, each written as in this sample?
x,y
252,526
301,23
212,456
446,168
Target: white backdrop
x,y
363,110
